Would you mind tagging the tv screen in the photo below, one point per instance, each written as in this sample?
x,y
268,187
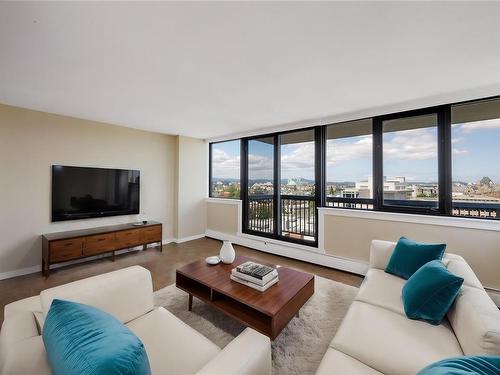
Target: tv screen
x,y
81,192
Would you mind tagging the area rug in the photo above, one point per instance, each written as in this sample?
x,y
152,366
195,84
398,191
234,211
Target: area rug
x,y
300,346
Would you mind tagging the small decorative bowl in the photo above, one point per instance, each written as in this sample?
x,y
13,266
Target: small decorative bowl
x,y
213,260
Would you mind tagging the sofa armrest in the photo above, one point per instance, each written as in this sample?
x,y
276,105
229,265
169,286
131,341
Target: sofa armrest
x,y
247,354
27,357
380,253
15,329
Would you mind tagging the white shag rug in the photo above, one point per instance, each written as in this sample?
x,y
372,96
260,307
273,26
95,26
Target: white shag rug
x,y
300,346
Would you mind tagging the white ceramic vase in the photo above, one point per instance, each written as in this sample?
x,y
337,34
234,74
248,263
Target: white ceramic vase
x,y
227,253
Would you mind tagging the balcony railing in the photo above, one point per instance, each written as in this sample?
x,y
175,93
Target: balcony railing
x,y
298,212
487,210
298,215
353,203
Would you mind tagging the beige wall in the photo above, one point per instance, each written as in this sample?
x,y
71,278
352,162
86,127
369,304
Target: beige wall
x,y
30,142
192,187
223,217
350,237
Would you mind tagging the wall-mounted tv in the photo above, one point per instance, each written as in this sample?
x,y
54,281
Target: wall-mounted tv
x,y
82,192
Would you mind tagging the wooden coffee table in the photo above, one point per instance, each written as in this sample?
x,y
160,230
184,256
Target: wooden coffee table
x,y
267,312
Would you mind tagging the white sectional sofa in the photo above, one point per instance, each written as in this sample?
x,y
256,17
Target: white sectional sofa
x,y
172,346
376,336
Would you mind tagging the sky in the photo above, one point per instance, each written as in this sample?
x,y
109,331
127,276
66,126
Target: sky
x,y
409,153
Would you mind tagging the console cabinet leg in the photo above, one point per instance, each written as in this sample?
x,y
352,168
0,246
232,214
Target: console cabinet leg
x,y
190,303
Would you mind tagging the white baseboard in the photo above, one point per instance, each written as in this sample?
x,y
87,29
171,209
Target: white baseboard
x,y
38,267
190,238
20,272
294,252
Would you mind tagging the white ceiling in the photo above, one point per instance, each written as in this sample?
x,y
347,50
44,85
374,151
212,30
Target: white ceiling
x,y
211,69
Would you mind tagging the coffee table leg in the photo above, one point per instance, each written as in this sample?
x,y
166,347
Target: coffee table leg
x,y
190,303
298,314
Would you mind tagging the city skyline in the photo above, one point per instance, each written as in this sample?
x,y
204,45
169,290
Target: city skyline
x,y
412,153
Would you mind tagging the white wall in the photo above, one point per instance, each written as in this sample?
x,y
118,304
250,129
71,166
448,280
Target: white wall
x,y
30,142
192,187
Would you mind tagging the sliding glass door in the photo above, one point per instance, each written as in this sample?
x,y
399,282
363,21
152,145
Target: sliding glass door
x,y
280,175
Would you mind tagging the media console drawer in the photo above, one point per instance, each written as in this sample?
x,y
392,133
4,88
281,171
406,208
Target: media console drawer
x,y
151,234
70,245
64,250
100,243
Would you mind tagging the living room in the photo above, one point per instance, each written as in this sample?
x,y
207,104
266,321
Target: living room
x,y
289,187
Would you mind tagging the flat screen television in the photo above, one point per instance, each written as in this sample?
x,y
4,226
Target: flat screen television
x,y
82,192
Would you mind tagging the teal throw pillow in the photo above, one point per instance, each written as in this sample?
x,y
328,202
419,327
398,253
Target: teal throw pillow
x,y
467,365
80,339
429,293
408,256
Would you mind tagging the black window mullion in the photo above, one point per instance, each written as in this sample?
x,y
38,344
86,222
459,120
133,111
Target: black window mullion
x,y
277,186
320,165
378,173
210,177
444,158
244,182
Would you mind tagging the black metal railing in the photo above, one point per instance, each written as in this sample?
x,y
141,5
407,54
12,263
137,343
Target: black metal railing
x,y
298,216
489,210
353,203
260,213
476,209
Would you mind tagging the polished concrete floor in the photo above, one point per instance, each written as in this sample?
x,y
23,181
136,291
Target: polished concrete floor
x,y
161,264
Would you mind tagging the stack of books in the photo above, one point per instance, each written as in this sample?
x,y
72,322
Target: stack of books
x,y
255,275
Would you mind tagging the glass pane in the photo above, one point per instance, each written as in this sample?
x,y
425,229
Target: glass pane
x,y
226,169
349,164
410,152
475,134
298,210
260,184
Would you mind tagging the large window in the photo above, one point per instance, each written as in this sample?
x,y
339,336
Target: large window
x,y
349,180
298,185
437,161
225,169
410,161
260,184
475,137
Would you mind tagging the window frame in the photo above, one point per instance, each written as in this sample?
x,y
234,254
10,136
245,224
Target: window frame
x,y
210,169
445,177
444,161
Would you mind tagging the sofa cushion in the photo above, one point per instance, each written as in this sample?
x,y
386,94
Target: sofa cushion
x,y
338,363
469,365
390,342
409,256
429,292
172,346
126,294
382,289
80,339
476,321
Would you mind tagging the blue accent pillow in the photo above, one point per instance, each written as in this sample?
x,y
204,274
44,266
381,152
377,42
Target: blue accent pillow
x,y
80,339
409,256
467,365
429,293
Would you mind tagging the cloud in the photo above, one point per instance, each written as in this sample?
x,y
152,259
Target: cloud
x,y
260,166
345,149
470,127
225,165
414,144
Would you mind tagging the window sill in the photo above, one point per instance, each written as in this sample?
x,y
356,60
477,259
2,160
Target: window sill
x,y
447,221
